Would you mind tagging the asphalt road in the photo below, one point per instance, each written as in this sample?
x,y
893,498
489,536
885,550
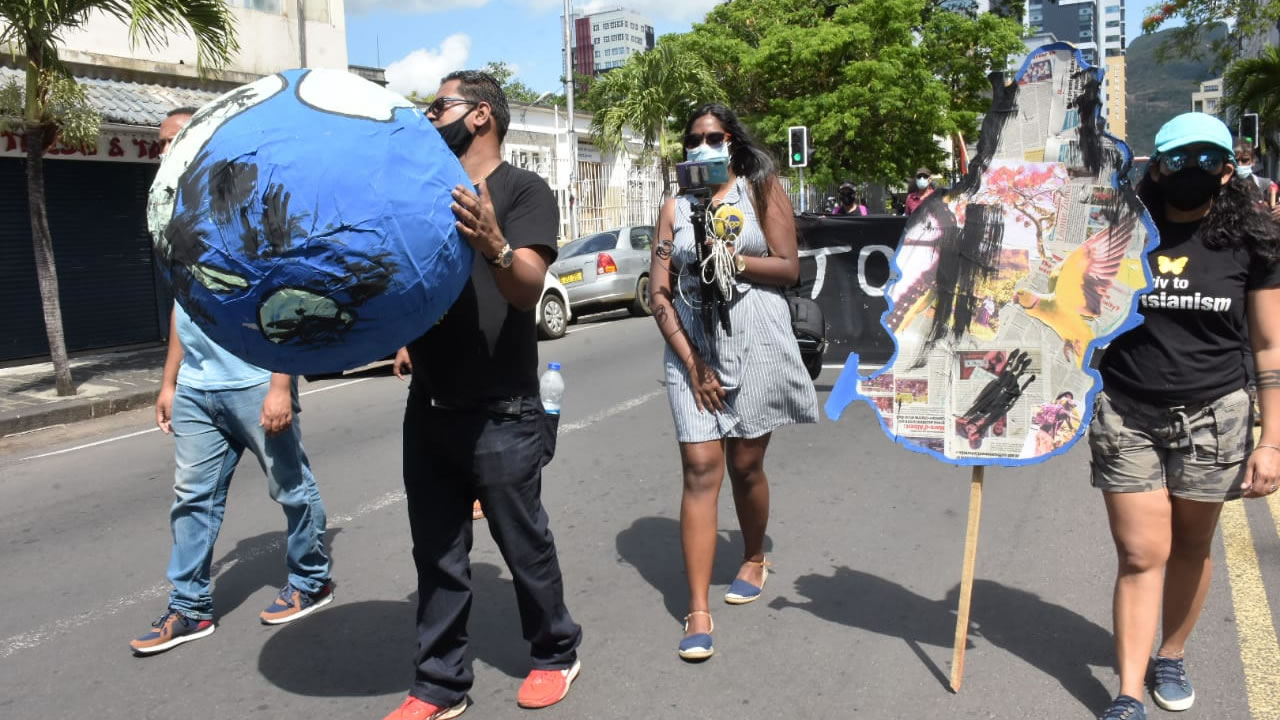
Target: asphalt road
x,y
857,619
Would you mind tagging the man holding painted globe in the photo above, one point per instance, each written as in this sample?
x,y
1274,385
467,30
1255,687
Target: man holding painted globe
x,y
474,427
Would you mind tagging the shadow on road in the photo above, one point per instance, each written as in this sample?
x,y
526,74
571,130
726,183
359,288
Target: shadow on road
x,y
254,563
367,648
652,546
1051,638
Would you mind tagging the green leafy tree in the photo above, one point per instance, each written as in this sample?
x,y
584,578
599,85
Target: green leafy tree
x,y
51,106
1253,85
1200,17
653,94
517,92
876,81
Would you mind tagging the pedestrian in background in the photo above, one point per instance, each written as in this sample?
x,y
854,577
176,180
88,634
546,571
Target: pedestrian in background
x,y
848,201
728,389
474,426
921,188
1172,439
217,406
1266,188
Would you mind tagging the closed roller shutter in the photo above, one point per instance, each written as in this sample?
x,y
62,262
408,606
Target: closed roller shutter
x,y
106,275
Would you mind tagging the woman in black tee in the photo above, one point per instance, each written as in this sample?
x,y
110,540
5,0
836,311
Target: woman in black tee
x,y
1172,438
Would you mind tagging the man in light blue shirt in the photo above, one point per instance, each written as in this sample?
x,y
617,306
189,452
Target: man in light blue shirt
x,y
217,406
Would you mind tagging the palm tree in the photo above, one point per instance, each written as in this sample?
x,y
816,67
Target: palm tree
x,y
34,28
649,94
1253,85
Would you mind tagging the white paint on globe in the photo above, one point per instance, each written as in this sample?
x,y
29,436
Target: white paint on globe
x,y
187,144
344,93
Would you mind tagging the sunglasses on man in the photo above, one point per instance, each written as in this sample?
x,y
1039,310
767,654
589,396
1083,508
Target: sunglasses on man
x,y
444,102
922,176
713,139
1211,161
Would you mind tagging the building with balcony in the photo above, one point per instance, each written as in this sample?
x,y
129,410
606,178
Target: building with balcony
x,y
1208,97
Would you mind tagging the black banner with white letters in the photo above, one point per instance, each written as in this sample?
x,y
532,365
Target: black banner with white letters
x,y
844,266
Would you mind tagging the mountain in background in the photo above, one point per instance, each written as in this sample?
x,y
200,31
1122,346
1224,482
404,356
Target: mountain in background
x,y
1156,91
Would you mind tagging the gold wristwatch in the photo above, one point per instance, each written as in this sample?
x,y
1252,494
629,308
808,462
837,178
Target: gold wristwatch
x,y
740,263
504,257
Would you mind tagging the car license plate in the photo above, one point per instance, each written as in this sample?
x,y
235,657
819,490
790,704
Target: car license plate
x,y
573,277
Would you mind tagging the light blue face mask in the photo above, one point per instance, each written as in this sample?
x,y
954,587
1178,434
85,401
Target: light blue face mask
x,y
705,152
1244,171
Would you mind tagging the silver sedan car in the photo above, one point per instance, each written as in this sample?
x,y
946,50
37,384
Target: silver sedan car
x,y
607,270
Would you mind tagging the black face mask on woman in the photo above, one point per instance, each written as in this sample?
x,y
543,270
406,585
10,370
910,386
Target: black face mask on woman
x,y
1190,188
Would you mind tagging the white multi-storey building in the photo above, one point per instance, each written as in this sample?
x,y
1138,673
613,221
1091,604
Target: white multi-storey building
x,y
603,40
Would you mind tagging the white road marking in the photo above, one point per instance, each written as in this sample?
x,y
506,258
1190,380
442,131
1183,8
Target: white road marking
x,y
616,409
51,631
334,386
156,429
92,444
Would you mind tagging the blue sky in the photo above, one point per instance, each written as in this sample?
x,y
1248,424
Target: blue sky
x,y
420,40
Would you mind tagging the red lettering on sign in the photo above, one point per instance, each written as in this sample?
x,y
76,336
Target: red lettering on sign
x,y
114,149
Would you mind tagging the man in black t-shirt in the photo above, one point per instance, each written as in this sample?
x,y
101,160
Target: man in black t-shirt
x,y
474,427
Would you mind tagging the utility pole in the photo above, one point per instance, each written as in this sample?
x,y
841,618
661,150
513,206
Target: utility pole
x,y
570,137
302,33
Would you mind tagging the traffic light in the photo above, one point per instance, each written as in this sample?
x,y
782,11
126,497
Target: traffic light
x,y
799,145
1249,129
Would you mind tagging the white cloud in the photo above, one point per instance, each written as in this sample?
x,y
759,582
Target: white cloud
x,y
659,11
360,7
422,69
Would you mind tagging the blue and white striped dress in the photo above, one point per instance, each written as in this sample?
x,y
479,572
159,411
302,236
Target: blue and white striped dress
x,y
759,364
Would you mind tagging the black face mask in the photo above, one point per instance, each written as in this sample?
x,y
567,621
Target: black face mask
x,y
456,135
1190,188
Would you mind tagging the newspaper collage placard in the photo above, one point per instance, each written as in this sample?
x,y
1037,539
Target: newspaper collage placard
x,y
1007,283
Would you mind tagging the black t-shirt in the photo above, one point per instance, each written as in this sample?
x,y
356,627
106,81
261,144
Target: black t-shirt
x,y
1190,346
484,348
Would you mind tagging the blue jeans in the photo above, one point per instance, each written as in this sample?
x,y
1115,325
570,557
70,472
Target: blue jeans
x,y
212,429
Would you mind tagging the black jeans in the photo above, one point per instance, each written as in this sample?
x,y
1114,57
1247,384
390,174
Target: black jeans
x,y
451,458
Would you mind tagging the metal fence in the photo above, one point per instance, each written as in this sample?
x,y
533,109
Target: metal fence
x,y
606,196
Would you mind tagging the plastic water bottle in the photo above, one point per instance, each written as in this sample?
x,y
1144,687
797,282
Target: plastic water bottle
x,y
551,389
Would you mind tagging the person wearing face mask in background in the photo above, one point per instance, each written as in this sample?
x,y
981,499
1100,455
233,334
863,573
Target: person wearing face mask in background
x,y
1172,436
921,188
1244,168
474,426
848,202
728,388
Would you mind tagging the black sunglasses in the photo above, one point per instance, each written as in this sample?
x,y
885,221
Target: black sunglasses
x,y
1211,161
714,139
444,102
926,176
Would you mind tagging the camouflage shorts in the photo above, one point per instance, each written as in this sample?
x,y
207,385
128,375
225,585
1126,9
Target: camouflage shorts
x,y
1197,452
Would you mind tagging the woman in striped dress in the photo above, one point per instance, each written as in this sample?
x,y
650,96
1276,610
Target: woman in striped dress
x,y
729,388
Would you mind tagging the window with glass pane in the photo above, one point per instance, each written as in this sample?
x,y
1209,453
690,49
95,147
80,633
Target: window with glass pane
x,y
269,6
590,244
642,238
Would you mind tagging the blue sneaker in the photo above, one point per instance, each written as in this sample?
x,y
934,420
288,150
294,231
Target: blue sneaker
x,y
171,630
292,604
1170,687
1125,708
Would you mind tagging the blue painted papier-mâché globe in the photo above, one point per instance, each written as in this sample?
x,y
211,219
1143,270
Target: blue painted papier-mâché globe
x,y
304,221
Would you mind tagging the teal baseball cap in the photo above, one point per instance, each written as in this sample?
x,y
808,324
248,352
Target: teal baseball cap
x,y
1191,128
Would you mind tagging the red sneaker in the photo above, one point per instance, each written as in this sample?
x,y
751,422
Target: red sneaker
x,y
414,709
547,687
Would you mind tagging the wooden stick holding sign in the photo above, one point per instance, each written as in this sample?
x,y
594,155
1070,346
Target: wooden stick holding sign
x,y
966,578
